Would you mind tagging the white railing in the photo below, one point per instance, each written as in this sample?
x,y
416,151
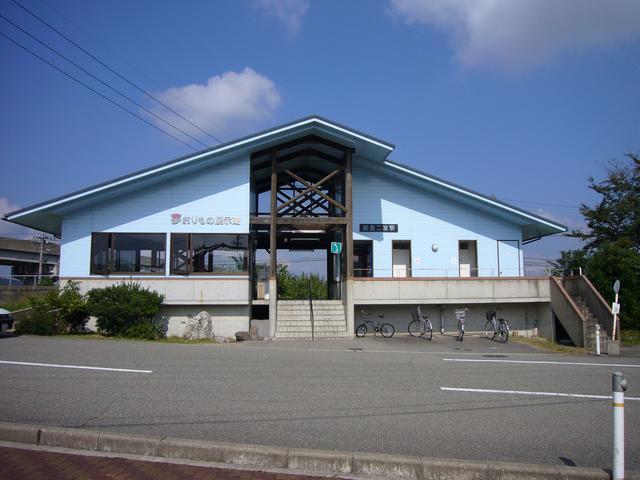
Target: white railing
x,y
454,272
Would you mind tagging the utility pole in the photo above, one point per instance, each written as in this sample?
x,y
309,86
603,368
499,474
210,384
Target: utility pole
x,y
42,239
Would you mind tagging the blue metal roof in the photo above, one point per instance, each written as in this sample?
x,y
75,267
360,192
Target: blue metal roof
x,y
47,215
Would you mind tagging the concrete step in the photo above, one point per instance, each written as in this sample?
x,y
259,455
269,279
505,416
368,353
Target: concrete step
x,y
306,302
308,331
307,335
305,318
306,321
319,308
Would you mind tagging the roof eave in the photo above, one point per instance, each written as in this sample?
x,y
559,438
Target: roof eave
x,y
549,224
224,147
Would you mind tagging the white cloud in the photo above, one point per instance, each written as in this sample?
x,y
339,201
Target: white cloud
x,y
11,229
231,103
520,34
289,12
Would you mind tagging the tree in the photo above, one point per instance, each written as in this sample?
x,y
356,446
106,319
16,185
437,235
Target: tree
x,y
612,248
296,287
616,218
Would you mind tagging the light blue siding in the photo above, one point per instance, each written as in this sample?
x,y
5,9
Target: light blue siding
x,y
221,190
426,218
508,257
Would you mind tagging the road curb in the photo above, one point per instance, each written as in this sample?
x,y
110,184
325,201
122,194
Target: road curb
x,y
308,460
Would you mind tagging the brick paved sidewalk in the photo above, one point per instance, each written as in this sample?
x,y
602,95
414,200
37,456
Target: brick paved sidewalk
x,y
23,464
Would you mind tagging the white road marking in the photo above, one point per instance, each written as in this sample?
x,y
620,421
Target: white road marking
x,y
523,392
81,367
542,362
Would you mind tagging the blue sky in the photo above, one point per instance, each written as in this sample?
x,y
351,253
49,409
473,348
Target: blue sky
x,y
521,100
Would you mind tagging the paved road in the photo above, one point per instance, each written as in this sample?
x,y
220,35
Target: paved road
x,y
368,394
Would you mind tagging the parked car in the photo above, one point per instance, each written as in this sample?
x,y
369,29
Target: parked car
x,y
6,320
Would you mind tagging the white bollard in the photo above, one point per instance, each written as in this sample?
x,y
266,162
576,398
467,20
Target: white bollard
x,y
597,339
619,386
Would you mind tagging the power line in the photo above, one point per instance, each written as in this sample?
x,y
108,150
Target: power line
x,y
101,81
541,203
114,71
120,57
95,91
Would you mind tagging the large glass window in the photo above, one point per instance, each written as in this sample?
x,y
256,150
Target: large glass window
x,y
128,253
209,253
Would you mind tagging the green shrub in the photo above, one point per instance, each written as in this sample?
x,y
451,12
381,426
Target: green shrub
x,y
72,308
43,320
126,310
146,330
46,282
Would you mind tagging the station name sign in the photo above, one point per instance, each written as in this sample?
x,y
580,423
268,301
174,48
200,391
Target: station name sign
x,y
379,227
178,218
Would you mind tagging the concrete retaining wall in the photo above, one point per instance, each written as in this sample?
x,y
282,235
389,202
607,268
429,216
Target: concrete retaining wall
x,y
13,294
190,291
451,291
522,317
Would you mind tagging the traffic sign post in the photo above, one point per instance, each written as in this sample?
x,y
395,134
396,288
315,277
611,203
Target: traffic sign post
x,y
615,309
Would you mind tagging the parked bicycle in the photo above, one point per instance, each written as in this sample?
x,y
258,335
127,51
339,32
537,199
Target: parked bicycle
x,y
496,327
461,314
385,329
420,326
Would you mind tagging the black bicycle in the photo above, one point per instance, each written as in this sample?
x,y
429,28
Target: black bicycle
x,y
385,329
496,327
420,326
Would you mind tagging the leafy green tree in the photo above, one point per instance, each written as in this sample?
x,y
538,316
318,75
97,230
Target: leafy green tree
x,y
616,218
612,240
296,287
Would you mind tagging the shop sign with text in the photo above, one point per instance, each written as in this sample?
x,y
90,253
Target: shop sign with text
x,y
178,218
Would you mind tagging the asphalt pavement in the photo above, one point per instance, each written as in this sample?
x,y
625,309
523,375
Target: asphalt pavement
x,y
479,400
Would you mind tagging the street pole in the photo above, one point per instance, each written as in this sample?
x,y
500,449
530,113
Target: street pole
x,y
40,261
597,339
619,386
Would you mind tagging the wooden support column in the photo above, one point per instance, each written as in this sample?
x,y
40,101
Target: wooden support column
x,y
273,247
348,193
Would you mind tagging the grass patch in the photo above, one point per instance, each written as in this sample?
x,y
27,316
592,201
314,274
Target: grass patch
x,y
548,345
97,336
631,337
17,305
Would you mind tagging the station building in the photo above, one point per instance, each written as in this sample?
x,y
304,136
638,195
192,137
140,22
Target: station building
x,y
196,228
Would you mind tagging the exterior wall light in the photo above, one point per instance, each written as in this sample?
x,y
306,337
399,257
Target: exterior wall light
x,y
434,247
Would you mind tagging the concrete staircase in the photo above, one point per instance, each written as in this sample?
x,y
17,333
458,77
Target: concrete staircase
x,y
589,322
294,322
579,306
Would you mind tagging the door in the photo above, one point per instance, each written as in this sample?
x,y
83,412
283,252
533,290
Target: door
x,y
401,258
508,258
468,258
